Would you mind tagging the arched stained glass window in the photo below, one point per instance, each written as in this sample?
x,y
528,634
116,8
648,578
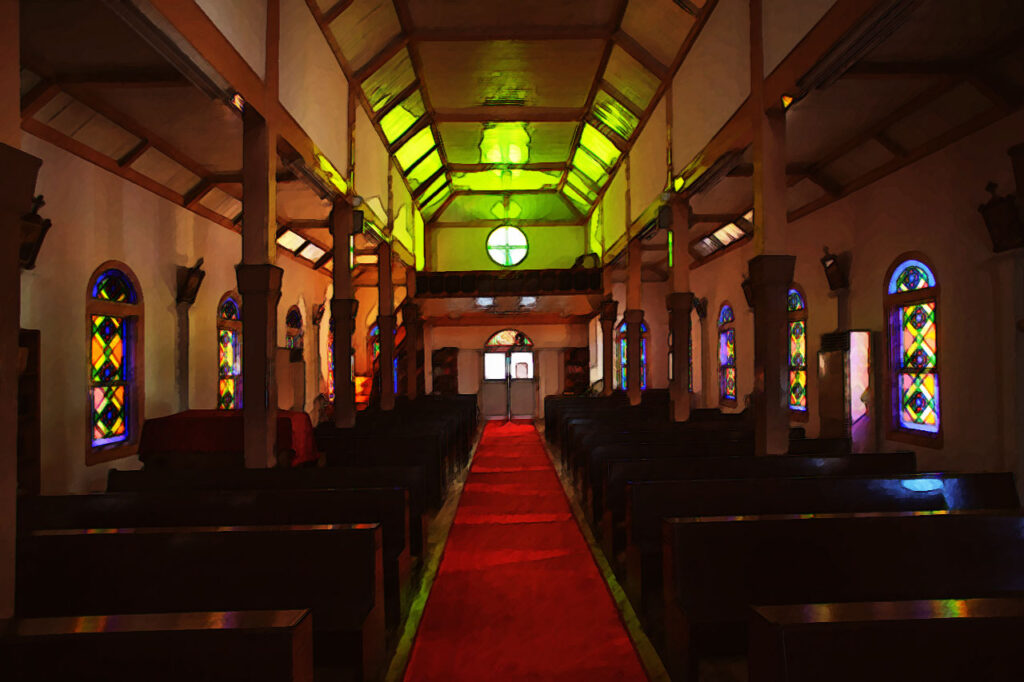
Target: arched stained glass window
x,y
912,309
114,314
622,349
797,351
507,246
726,356
229,352
510,338
374,341
293,330
330,359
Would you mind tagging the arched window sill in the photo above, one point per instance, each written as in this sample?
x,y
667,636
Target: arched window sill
x,y
101,455
918,439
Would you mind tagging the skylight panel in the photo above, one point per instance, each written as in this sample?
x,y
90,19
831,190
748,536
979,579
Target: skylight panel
x,y
578,183
434,186
705,247
386,82
576,198
599,145
397,121
312,252
727,234
613,114
435,202
290,240
588,166
506,180
421,143
425,169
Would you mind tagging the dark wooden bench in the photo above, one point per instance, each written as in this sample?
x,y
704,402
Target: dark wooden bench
x,y
716,568
334,570
648,502
386,506
408,477
609,507
231,646
948,640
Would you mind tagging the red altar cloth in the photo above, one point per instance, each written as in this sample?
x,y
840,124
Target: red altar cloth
x,y
221,431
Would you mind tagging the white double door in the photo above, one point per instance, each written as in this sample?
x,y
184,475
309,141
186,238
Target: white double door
x,y
509,388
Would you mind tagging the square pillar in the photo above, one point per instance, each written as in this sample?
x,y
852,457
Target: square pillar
x,y
679,306
609,313
413,344
260,287
18,172
770,277
634,320
386,325
343,317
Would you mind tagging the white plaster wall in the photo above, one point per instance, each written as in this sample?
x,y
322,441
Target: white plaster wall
x,y
713,81
932,207
313,87
97,217
648,163
244,24
372,161
786,22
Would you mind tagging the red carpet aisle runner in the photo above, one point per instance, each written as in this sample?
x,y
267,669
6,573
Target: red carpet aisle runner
x,y
518,596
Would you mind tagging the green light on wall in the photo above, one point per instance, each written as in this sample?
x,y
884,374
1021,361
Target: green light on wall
x,y
417,239
670,258
505,143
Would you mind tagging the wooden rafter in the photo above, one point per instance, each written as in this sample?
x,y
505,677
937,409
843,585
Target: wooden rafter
x,y
479,167
639,53
335,10
626,102
397,100
394,46
485,114
510,32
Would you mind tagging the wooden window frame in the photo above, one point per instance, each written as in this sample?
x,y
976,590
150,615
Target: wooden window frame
x,y
645,343
893,329
134,315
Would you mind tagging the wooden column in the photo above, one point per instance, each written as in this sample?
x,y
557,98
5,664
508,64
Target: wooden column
x,y
259,283
680,303
413,337
181,353
609,313
771,271
343,316
386,325
634,316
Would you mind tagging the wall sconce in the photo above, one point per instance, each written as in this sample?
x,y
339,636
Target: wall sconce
x,y
189,281
835,271
33,231
701,306
1003,220
318,314
748,292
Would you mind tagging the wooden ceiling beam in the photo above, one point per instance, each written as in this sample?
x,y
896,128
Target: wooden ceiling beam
x,y
508,32
425,185
235,178
133,154
640,53
336,10
412,132
746,170
444,206
487,114
394,46
499,223
480,167
621,98
37,98
397,100
903,70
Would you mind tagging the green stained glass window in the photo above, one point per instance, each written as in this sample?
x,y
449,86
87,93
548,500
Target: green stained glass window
x,y
397,121
576,198
437,184
425,169
505,180
589,167
421,143
507,246
600,146
609,111
582,186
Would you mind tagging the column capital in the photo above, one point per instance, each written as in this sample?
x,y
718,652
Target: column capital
x,y
344,309
635,316
410,312
258,278
679,301
609,310
767,270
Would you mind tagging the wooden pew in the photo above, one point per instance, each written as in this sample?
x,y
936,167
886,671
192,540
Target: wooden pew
x,y
649,501
334,570
408,477
946,640
715,568
168,508
609,507
231,646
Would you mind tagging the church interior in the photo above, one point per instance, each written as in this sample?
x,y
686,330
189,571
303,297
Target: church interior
x,y
568,340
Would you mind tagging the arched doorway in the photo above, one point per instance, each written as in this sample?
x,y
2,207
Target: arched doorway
x,y
509,388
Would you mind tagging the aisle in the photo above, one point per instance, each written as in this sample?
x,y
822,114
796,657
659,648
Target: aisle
x,y
518,596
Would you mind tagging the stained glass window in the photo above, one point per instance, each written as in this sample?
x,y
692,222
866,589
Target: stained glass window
x,y
114,314
726,355
293,329
330,360
912,304
622,348
229,353
374,341
507,246
797,351
509,337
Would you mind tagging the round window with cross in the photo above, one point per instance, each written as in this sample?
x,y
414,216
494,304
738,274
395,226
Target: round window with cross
x,y
507,246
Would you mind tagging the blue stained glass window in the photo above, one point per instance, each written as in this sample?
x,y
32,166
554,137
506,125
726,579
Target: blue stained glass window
x,y
911,275
725,316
